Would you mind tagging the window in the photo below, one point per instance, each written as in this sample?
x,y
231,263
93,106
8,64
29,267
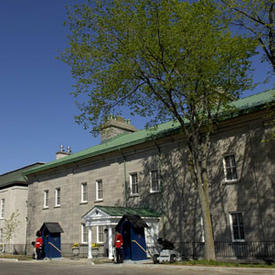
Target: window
x,y
57,196
1,235
100,234
202,231
84,194
154,176
230,169
46,199
237,228
84,233
134,184
2,208
99,190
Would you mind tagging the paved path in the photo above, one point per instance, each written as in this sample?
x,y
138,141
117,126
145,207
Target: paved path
x,y
84,268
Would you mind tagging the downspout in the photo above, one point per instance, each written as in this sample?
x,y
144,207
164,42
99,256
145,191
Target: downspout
x,y
125,178
161,187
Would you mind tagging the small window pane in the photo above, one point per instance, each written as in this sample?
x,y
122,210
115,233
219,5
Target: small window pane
x,y
2,210
84,230
57,196
237,226
134,183
46,198
84,193
100,234
154,181
230,168
99,191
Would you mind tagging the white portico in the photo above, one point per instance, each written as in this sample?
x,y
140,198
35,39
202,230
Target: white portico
x,y
109,216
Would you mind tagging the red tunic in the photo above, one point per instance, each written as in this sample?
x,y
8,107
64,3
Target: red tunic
x,y
118,240
38,242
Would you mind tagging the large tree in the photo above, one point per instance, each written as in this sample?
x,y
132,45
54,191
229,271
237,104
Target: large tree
x,y
257,18
164,59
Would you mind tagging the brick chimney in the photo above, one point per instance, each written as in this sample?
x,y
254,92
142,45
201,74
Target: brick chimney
x,y
115,125
62,153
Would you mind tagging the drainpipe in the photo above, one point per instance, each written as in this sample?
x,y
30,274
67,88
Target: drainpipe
x,y
125,179
161,187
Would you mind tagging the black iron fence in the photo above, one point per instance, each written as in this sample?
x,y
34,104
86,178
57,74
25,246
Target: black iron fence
x,y
195,250
231,249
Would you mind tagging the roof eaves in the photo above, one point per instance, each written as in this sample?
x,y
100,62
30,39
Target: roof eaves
x,y
163,129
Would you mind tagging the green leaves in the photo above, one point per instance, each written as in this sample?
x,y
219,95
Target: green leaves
x,y
170,54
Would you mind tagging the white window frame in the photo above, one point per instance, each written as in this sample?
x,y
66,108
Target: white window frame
x,y
98,191
84,234
230,167
84,192
151,181
46,199
98,229
231,227
202,231
57,197
132,191
2,209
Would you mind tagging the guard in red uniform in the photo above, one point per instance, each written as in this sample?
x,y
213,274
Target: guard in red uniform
x,y
39,245
118,245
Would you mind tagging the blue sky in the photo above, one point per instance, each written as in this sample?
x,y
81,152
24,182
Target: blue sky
x,y
36,109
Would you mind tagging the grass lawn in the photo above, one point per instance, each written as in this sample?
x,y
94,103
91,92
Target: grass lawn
x,y
225,264
19,257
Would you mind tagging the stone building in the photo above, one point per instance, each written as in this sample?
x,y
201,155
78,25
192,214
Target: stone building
x,y
13,210
145,171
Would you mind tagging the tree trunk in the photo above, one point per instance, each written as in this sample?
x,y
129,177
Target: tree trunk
x,y
209,248
201,178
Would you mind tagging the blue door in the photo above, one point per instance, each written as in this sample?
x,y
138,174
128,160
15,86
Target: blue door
x,y
51,244
138,244
134,245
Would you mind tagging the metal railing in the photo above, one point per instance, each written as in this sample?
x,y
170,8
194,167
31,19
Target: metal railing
x,y
231,249
195,250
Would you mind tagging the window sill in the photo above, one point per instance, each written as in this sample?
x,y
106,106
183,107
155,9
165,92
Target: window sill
x,y
134,195
83,202
57,206
98,200
231,181
154,192
238,241
45,208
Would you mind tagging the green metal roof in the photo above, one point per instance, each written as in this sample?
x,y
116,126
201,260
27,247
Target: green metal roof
x,y
120,211
129,139
16,177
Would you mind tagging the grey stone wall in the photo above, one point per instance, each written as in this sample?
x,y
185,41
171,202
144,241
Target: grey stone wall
x,y
252,194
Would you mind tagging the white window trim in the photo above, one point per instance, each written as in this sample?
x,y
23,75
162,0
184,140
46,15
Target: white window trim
x,y
225,172
46,199
82,234
1,235
131,184
82,192
2,209
202,231
57,190
97,234
231,227
151,190
97,198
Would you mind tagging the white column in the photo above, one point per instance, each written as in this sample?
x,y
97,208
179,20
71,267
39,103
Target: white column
x,y
90,256
110,242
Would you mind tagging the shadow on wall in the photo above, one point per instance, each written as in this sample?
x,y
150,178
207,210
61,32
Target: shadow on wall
x,y
252,194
